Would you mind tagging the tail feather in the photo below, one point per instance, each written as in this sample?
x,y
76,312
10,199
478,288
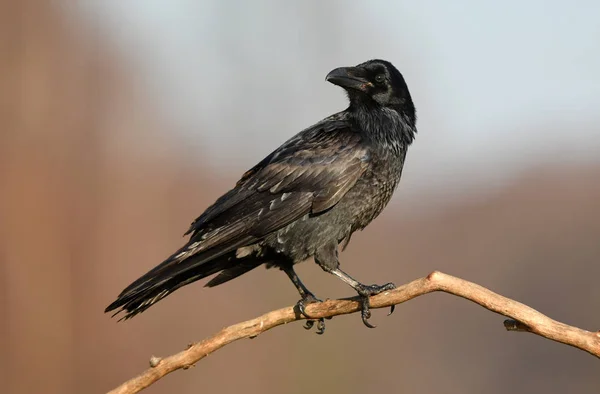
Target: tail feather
x,y
185,259
231,273
149,289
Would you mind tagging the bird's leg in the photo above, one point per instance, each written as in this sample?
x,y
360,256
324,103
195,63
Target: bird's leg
x,y
327,258
364,291
307,298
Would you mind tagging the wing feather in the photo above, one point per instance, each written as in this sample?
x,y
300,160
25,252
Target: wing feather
x,y
308,174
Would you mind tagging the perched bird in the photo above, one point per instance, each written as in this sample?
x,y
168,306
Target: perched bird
x,y
301,201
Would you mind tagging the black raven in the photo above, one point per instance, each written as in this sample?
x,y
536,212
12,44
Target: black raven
x,y
303,200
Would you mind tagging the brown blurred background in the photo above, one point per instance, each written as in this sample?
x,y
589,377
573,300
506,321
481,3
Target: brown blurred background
x,y
95,190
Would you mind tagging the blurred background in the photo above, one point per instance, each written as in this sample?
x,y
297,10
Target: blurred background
x,y
121,121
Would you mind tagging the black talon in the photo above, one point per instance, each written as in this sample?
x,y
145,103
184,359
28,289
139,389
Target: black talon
x,y
365,313
366,322
392,308
320,327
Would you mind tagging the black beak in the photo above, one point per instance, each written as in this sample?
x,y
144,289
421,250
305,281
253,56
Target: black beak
x,y
349,78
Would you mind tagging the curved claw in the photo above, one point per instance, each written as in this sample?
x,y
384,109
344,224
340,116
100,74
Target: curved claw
x,y
392,308
366,322
365,313
320,327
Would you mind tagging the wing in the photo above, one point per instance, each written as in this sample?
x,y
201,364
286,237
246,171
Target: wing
x,y
310,173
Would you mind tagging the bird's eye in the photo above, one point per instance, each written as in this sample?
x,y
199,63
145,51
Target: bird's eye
x,y
380,78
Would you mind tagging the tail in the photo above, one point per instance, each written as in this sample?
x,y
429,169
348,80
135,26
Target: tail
x,y
167,277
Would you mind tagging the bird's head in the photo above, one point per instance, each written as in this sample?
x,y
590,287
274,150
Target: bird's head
x,y
375,82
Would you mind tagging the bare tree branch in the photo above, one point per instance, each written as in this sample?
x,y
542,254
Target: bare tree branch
x,y
522,318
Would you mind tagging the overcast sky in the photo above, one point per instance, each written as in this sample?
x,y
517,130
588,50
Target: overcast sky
x,y
499,86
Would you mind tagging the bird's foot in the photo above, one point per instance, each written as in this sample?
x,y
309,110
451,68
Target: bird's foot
x,y
301,305
365,291
306,300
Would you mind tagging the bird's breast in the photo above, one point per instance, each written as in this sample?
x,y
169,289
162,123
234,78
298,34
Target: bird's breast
x,y
374,190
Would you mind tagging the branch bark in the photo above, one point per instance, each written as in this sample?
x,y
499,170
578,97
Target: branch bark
x,y
522,318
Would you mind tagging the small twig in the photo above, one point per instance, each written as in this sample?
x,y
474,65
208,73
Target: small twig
x,y
523,318
154,361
